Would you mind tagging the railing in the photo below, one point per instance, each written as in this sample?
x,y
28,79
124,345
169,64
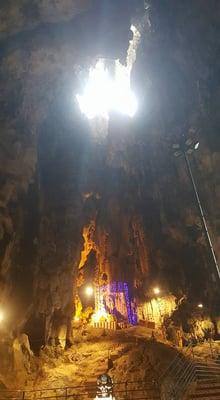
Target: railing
x,y
108,325
178,377
128,390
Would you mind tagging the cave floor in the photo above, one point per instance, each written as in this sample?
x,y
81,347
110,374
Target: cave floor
x,y
134,356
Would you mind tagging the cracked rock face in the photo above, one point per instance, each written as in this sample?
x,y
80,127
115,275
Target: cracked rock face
x,y
26,15
57,180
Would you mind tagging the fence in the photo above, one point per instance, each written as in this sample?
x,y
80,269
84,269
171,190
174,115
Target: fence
x,y
137,390
108,325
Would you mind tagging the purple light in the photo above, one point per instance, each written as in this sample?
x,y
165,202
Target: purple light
x,y
132,317
115,288
120,287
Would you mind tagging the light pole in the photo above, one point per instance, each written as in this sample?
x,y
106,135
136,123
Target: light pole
x,y
184,148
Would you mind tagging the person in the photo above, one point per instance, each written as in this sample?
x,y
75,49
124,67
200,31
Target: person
x,y
104,386
110,363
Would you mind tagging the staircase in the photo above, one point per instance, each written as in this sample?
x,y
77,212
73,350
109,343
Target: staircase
x,y
191,379
207,381
206,391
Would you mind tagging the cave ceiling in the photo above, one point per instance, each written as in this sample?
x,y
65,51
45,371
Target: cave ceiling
x,y
122,198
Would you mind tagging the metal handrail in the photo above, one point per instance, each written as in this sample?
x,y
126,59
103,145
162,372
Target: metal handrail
x,y
88,391
185,381
87,386
181,355
177,357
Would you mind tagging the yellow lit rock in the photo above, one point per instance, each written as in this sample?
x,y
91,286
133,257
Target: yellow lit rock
x,y
88,243
78,307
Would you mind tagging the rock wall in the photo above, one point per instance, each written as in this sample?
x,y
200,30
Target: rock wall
x,y
57,180
44,154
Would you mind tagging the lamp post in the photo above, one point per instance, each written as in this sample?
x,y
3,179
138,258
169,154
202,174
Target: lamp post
x,y
184,148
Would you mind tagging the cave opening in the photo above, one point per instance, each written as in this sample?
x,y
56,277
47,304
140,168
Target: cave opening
x,y
35,329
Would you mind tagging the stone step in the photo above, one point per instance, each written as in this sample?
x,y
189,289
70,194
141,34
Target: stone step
x,y
208,362
205,396
206,377
207,389
208,369
207,386
208,381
